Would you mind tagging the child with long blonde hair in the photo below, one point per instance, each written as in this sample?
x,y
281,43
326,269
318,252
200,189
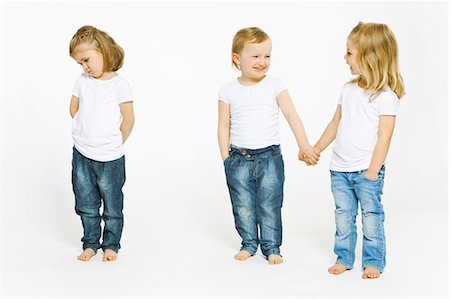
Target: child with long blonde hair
x,y
103,117
362,125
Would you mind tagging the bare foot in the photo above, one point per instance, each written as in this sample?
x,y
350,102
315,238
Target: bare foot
x,y
242,255
275,259
86,255
371,272
109,255
337,269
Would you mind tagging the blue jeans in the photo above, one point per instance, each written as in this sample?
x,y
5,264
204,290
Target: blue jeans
x,y
348,189
93,182
255,181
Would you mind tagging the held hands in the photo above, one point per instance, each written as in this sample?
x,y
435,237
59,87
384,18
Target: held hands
x,y
310,155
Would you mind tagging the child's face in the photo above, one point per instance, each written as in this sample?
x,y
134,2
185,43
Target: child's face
x,y
254,59
90,59
350,58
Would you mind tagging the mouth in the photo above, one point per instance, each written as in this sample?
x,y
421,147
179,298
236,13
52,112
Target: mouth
x,y
259,69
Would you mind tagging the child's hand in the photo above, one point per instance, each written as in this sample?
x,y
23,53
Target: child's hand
x,y
310,155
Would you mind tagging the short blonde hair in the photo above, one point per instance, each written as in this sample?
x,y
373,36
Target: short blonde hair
x,y
377,58
247,35
113,54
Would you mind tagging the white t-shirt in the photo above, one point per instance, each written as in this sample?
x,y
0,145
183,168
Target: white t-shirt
x,y
254,112
96,126
358,128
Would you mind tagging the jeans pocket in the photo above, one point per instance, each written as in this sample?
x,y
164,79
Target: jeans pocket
x,y
227,160
369,180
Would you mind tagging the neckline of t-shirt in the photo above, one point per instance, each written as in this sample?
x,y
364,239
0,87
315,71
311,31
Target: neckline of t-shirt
x,y
256,84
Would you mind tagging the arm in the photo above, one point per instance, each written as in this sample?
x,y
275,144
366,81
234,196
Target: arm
x,y
223,130
74,105
330,132
126,109
290,114
328,135
385,131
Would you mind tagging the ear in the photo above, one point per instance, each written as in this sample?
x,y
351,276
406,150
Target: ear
x,y
235,58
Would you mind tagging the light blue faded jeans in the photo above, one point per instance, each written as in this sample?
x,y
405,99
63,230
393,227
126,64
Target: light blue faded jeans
x,y
349,189
255,179
94,182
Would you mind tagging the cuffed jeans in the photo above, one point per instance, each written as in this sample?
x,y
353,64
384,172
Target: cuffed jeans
x,y
349,189
93,182
255,179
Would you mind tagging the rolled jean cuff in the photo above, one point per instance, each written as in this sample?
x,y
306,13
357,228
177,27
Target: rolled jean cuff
x,y
272,251
113,248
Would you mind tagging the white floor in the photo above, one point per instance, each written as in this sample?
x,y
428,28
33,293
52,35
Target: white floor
x,y
193,258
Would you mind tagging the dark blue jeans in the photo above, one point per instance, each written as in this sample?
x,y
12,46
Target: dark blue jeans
x,y
255,179
93,182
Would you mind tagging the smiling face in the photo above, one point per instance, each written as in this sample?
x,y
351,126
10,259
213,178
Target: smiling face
x,y
90,59
350,58
254,61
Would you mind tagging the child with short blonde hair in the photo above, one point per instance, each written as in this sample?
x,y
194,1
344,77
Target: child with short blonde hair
x,y
363,125
103,117
249,141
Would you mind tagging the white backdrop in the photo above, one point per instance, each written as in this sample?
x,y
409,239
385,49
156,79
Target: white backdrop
x,y
177,55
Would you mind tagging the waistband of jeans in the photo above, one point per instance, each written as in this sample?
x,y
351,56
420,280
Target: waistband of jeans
x,y
246,151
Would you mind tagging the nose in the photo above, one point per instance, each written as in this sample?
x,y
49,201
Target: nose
x,y
262,62
346,58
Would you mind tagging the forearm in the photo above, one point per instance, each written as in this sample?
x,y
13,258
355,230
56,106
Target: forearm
x,y
126,128
296,125
379,155
223,133
327,137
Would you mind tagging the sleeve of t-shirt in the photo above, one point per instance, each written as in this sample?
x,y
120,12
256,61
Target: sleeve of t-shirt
x,y
388,104
223,95
278,86
124,92
77,87
341,95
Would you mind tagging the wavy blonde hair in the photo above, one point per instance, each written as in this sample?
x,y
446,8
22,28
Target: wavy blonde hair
x,y
113,54
247,35
377,58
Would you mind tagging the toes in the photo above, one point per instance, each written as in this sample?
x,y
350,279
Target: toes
x,y
275,259
371,273
242,255
109,256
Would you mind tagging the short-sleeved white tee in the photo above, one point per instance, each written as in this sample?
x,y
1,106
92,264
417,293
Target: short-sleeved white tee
x,y
96,127
254,112
358,128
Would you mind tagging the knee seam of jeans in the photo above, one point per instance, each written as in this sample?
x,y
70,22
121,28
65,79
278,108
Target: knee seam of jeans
x,y
343,222
371,224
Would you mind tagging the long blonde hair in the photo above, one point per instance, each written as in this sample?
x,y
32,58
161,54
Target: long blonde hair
x,y
113,54
247,35
377,58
